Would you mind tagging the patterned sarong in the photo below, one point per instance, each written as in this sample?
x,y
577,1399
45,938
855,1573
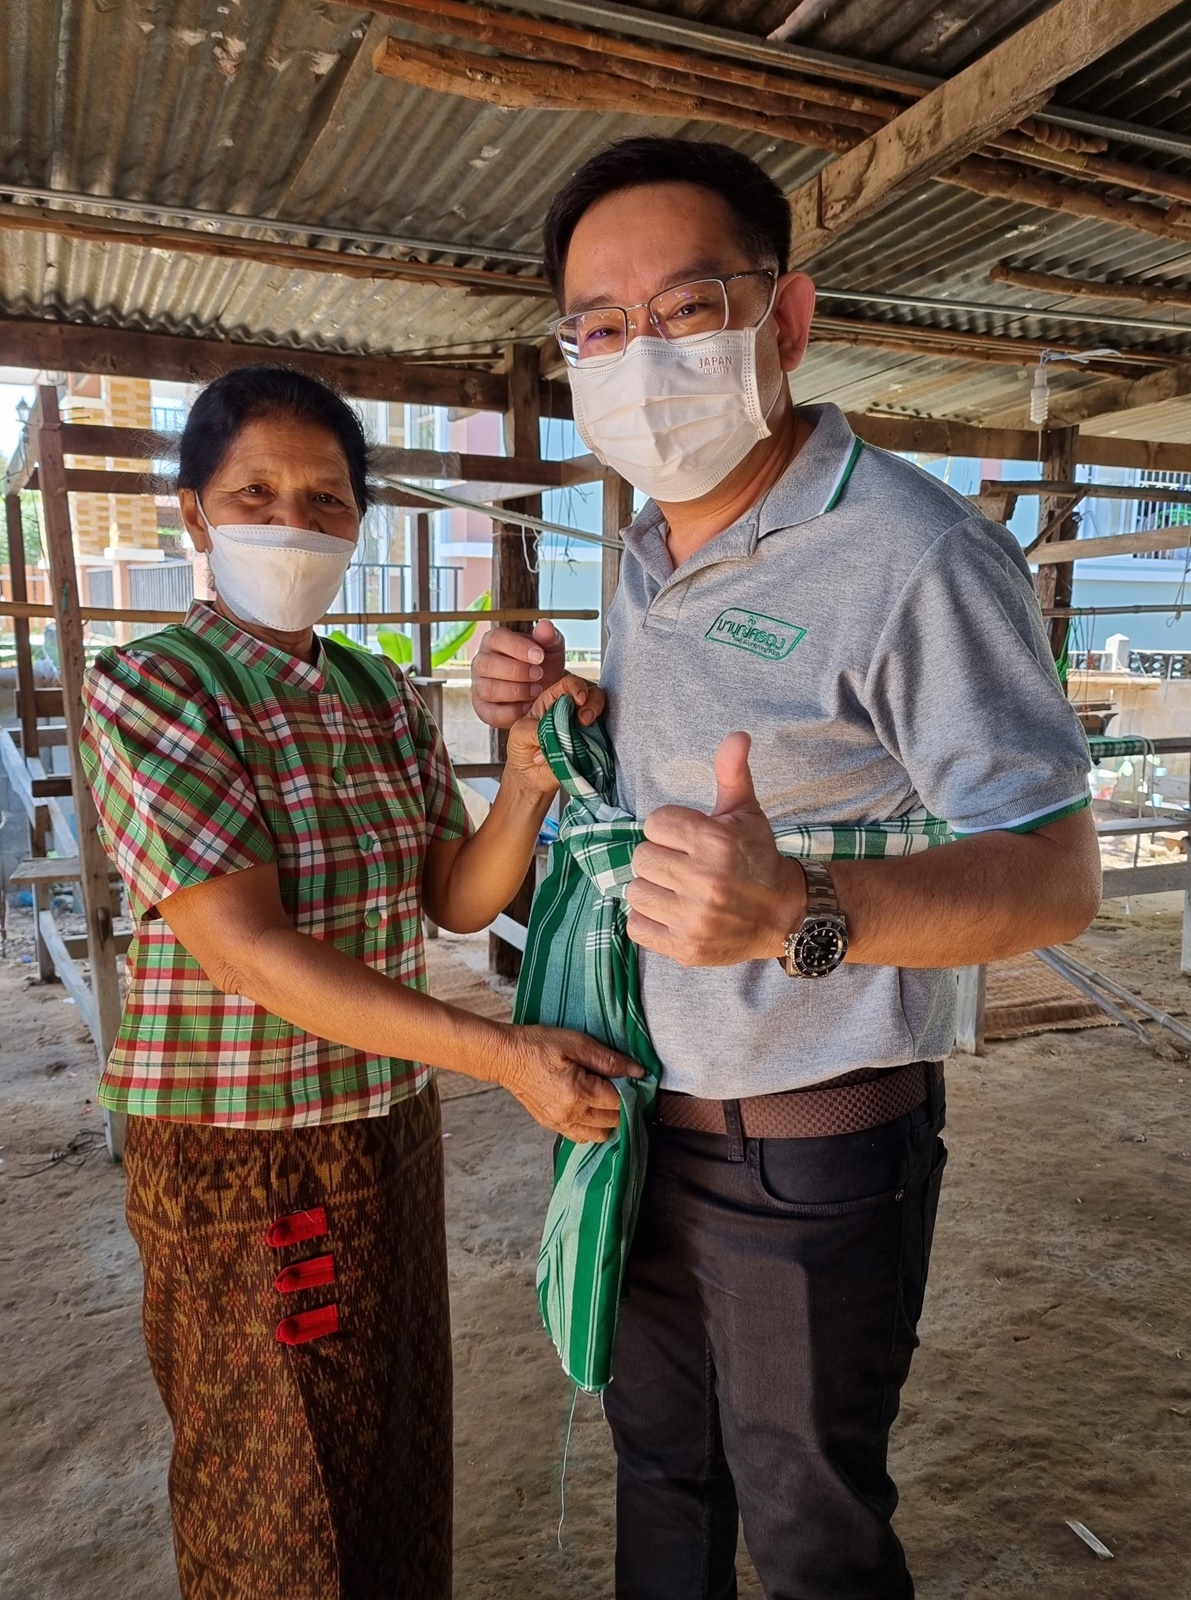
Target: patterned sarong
x,y
580,971
318,1469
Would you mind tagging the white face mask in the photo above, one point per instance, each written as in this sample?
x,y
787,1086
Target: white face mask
x,y
674,418
283,578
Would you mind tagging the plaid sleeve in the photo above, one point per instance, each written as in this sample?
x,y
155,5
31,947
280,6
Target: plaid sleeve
x,y
446,814
175,802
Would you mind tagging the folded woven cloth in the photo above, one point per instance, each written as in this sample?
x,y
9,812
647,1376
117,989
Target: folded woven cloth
x,y
580,971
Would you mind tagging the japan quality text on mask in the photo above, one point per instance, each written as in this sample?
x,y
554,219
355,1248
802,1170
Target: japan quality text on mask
x,y
674,418
277,576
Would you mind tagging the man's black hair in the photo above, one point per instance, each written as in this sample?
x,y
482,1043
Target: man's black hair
x,y
761,210
242,395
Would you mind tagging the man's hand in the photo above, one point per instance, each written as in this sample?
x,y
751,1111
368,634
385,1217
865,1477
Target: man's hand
x,y
561,1078
713,891
510,671
525,763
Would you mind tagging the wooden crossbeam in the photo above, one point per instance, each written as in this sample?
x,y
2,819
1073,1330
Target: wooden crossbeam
x,y
1060,551
226,247
1111,396
1091,491
1144,294
953,121
53,346
519,614
938,437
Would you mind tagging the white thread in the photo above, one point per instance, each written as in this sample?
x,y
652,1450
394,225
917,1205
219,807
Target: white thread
x,y
562,1482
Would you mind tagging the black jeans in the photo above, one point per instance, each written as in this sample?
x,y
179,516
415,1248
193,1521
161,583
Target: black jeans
x,y
774,1289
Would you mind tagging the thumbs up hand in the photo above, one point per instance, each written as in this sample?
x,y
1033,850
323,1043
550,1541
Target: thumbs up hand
x,y
711,891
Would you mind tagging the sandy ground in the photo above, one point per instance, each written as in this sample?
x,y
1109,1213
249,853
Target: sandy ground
x,y
1054,1379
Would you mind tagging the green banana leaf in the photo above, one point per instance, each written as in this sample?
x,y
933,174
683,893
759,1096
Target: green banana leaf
x,y
399,647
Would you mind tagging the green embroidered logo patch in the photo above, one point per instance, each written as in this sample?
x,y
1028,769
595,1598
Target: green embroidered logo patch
x,y
758,634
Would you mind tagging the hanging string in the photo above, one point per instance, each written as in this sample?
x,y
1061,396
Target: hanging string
x,y
562,1482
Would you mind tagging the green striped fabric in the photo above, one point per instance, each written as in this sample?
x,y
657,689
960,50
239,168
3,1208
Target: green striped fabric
x,y
580,971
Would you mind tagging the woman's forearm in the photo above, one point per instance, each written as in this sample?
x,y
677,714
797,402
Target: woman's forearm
x,y
486,871
320,989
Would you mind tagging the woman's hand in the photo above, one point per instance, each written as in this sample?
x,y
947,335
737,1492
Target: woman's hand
x,y
561,1078
526,764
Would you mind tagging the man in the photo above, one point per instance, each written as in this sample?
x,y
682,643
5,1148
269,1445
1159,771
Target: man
x,y
882,646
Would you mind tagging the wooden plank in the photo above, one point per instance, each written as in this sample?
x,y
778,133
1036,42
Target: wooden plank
x,y
1160,879
47,869
505,929
939,437
55,785
1056,526
102,957
1128,827
995,92
76,946
1111,396
515,581
49,701
1065,487
617,514
420,579
261,252
530,85
1145,294
17,773
22,645
1115,544
120,352
71,978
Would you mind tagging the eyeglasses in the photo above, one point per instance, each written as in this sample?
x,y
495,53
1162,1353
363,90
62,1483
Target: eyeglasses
x,y
695,310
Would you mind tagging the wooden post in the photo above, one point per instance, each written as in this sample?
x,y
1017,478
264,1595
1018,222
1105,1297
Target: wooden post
x,y
431,692
102,955
26,688
419,560
39,829
1052,584
618,513
515,580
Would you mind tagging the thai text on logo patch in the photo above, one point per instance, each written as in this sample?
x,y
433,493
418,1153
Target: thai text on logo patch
x,y
758,634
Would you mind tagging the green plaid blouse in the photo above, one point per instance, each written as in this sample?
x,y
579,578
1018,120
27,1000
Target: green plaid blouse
x,y
208,752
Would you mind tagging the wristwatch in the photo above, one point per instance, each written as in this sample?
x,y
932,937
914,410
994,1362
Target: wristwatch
x,y
819,943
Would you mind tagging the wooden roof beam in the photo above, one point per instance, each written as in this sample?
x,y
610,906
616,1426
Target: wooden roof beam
x,y
1107,398
1144,294
939,437
932,137
261,252
118,352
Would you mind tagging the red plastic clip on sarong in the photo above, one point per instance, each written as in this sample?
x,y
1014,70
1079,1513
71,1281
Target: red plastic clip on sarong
x,y
307,1325
298,1226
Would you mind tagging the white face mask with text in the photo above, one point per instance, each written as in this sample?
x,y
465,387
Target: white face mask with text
x,y
279,577
674,418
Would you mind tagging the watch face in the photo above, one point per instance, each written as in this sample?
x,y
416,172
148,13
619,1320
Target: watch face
x,y
820,947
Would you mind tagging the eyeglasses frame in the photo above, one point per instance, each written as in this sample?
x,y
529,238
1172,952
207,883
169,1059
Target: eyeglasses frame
x,y
724,279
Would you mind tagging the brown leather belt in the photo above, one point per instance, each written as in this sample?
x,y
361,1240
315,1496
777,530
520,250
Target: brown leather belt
x,y
850,1104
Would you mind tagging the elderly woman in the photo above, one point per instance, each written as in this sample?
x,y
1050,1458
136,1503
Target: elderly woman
x,y
283,812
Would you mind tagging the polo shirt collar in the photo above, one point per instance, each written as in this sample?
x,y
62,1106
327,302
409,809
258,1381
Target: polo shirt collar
x,y
810,487
241,646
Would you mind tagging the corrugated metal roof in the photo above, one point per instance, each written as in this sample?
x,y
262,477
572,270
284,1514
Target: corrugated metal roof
x,y
271,108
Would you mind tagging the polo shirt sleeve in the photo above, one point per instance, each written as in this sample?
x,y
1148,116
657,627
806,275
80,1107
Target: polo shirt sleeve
x,y
446,814
176,804
963,691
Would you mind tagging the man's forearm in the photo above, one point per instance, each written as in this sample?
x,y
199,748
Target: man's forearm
x,y
979,899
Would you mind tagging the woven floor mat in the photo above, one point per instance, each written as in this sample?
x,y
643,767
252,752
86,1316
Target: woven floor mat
x,y
1023,996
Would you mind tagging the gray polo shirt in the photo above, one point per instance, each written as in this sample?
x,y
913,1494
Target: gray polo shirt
x,y
882,645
